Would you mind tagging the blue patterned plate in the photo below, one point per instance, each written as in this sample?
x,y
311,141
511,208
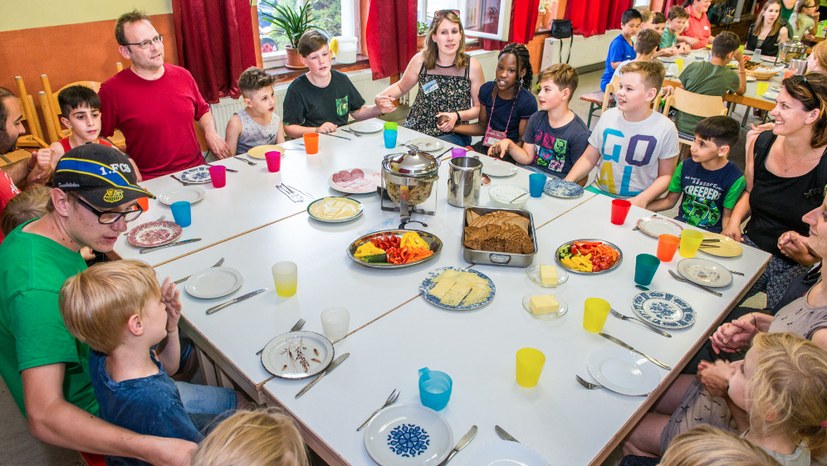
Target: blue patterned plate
x,y
407,435
429,283
199,174
663,310
556,187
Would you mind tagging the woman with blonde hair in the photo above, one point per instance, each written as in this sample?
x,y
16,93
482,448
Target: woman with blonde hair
x,y
768,30
817,61
708,446
264,437
449,82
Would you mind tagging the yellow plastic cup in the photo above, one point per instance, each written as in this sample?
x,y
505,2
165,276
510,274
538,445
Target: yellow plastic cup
x,y
690,242
595,311
285,277
679,62
761,87
530,363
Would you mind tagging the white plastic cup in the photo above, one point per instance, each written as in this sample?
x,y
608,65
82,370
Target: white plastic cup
x,y
335,323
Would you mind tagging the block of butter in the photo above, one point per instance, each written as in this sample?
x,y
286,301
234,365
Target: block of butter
x,y
548,275
543,304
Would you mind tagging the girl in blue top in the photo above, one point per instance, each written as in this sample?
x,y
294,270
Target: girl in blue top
x,y
506,102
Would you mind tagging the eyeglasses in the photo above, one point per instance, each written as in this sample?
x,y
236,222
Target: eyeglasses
x,y
108,218
157,40
801,79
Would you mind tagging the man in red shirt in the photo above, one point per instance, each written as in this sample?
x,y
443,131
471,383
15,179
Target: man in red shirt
x,y
154,104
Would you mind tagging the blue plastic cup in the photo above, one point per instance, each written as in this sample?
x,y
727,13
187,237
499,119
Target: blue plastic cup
x,y
390,138
434,388
645,267
182,213
536,183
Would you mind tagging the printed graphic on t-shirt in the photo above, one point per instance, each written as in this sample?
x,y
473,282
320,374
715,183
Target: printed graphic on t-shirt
x,y
341,106
639,151
698,206
550,151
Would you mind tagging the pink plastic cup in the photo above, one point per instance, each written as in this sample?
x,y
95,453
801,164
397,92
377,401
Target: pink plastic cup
x,y
218,175
273,161
620,208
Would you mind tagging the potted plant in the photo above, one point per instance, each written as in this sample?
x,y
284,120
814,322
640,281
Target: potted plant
x,y
421,30
293,23
545,13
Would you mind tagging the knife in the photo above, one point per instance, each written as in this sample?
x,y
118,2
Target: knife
x,y
215,309
335,136
176,243
630,348
505,435
465,440
328,370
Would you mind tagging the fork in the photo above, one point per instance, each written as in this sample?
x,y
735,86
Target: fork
x,y
226,168
247,161
594,385
391,400
681,279
646,324
182,280
351,132
295,328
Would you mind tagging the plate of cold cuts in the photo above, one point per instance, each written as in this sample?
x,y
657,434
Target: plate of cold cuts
x,y
355,181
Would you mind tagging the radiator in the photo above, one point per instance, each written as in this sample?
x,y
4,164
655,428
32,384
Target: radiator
x,y
227,106
585,51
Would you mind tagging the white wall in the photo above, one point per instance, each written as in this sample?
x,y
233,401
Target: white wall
x,y
585,51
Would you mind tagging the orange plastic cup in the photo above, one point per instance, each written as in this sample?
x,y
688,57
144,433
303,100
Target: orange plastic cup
x,y
311,143
143,203
667,245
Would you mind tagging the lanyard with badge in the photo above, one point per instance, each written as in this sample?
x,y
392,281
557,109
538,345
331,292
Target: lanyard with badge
x,y
493,136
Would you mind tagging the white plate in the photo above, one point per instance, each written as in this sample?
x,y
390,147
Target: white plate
x,y
366,184
705,272
655,226
533,273
191,194
214,282
408,435
663,310
564,308
555,187
427,144
367,127
497,168
623,371
279,355
200,174
335,209
504,453
504,194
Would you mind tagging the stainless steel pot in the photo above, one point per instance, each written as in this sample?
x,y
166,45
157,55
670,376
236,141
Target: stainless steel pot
x,y
792,50
408,178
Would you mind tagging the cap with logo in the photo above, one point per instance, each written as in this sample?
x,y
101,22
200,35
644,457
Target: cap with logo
x,y
102,175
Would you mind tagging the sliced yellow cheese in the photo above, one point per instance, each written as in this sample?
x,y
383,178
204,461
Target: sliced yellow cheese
x,y
456,294
548,275
543,304
479,293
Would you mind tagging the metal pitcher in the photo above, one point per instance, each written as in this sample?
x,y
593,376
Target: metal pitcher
x,y
464,180
798,66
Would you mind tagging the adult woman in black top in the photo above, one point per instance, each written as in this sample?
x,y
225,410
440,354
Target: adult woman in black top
x,y
786,170
768,31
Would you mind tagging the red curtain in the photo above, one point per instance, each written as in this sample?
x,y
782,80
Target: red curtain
x,y
590,17
215,43
390,36
523,24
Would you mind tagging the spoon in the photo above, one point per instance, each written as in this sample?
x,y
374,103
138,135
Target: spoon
x,y
391,400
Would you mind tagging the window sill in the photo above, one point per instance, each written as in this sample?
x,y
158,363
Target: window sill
x,y
285,74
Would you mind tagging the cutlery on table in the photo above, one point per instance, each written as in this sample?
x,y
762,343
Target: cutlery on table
x,y
391,400
231,170
329,369
518,198
594,385
681,279
465,440
504,435
168,245
293,196
631,348
182,280
221,306
247,161
346,130
296,190
651,327
335,136
443,152
295,328
185,183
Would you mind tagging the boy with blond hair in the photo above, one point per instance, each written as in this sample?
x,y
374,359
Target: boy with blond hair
x,y
118,309
671,38
634,147
257,123
555,136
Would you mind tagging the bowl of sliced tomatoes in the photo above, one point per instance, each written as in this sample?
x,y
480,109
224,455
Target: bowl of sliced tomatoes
x,y
588,256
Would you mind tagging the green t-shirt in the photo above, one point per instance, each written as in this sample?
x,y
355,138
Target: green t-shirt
x,y
32,333
667,39
708,79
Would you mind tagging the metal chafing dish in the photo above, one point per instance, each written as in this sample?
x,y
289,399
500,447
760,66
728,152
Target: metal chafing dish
x,y
791,50
476,256
408,181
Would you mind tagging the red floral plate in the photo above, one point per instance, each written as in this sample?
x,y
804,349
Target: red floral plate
x,y
153,234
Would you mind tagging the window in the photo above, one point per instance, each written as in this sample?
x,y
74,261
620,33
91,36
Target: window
x,y
335,17
488,19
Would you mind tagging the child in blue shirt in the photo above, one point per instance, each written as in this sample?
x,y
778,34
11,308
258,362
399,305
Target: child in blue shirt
x,y
621,49
118,309
708,183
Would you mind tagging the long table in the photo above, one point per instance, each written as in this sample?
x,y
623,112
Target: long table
x,y
394,332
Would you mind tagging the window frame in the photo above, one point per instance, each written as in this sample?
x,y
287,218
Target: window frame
x,y
466,6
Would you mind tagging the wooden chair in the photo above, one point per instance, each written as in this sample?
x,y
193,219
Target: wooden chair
x,y
600,100
34,138
700,105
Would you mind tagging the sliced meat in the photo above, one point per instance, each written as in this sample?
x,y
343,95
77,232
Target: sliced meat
x,y
357,173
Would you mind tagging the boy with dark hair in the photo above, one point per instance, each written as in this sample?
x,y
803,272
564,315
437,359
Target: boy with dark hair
x,y
713,77
621,48
257,124
646,46
634,146
320,100
670,38
708,182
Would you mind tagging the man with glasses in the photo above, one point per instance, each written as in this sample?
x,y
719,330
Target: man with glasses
x,y
44,367
154,104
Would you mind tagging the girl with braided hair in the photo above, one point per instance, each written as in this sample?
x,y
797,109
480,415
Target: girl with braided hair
x,y
506,103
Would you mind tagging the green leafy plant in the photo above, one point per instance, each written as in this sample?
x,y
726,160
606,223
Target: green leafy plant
x,y
421,28
293,23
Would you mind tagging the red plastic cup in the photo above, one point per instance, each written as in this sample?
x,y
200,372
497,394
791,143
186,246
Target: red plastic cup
x,y
667,245
620,208
273,161
311,143
143,202
218,175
